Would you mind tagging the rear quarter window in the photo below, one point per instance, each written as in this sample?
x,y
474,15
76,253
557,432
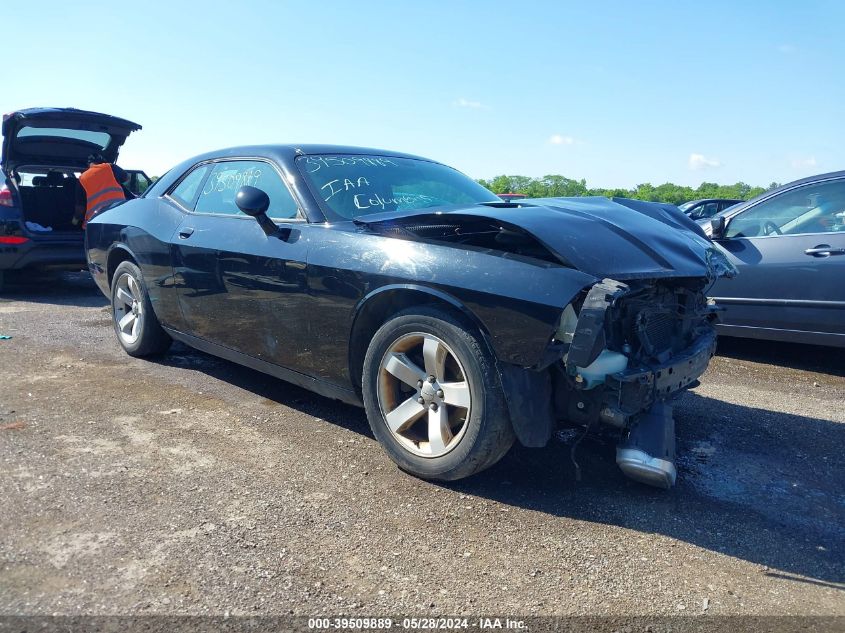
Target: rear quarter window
x,y
185,193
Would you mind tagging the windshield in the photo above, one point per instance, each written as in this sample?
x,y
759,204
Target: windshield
x,y
686,205
356,185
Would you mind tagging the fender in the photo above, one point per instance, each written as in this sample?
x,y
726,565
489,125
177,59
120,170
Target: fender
x,y
434,292
528,393
100,246
439,295
120,246
152,257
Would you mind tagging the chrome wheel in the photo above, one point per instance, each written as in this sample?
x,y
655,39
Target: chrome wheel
x,y
424,394
128,306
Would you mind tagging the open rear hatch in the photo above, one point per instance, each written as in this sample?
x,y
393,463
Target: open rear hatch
x,y
44,149
61,137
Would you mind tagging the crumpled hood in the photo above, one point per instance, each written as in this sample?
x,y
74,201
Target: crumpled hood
x,y
598,236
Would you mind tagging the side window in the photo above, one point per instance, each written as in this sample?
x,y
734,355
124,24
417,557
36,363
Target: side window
x,y
705,210
186,191
218,193
818,208
710,209
141,183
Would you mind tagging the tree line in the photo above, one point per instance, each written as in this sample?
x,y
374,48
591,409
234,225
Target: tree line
x,y
554,186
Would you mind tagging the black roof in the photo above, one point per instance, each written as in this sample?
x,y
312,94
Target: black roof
x,y
289,151
283,154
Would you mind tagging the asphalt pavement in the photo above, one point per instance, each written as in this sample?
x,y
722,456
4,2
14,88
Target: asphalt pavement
x,y
189,484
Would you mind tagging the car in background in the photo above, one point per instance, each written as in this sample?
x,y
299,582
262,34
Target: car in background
x,y
44,151
510,197
788,245
137,181
460,322
706,208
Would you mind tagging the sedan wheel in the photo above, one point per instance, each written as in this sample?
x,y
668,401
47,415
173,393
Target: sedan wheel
x,y
128,309
424,394
433,398
135,322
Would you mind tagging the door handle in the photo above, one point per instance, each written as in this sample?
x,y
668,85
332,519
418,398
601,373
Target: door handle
x,y
824,250
185,233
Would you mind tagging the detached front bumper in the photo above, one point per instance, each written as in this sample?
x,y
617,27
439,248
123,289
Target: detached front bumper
x,y
631,392
639,388
601,370
634,403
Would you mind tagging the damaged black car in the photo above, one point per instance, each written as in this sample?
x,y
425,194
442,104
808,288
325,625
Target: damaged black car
x,y
461,322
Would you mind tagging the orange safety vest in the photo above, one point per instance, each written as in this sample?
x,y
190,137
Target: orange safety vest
x,y
101,189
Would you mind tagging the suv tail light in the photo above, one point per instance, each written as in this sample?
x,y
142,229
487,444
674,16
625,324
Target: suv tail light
x,y
13,239
5,197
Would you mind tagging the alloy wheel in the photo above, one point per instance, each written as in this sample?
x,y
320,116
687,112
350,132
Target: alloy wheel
x,y
128,308
424,394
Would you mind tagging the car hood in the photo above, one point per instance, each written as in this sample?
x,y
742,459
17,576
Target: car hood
x,y
605,238
63,137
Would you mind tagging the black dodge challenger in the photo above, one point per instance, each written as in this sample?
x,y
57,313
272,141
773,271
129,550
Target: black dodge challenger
x,y
460,321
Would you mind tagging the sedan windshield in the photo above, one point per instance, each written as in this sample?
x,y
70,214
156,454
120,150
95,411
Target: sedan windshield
x,y
356,185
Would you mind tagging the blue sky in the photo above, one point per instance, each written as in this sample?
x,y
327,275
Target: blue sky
x,y
617,93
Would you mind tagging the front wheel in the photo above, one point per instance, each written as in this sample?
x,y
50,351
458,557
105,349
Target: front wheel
x,y
135,323
433,398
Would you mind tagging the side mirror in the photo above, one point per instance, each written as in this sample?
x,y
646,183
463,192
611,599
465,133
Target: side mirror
x,y
254,202
717,227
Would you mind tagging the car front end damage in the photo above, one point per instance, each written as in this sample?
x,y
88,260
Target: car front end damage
x,y
626,349
624,346
620,354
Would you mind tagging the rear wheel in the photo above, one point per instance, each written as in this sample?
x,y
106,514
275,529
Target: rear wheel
x,y
433,398
136,325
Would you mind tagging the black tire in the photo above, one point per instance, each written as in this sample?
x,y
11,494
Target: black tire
x,y
150,338
488,433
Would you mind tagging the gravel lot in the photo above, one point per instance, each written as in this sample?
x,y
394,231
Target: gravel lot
x,y
192,485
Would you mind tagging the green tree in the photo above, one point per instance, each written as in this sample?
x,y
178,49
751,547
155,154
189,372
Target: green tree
x,y
501,184
557,186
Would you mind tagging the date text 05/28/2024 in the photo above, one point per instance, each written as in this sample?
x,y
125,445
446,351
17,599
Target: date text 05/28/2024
x,y
445,624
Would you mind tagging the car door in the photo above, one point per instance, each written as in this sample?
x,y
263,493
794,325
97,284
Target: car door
x,y
241,288
790,253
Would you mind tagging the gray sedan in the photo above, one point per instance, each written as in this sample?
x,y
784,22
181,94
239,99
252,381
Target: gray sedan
x,y
789,247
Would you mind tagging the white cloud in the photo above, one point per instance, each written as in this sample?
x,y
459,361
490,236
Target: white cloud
x,y
700,161
466,103
786,49
804,163
557,139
